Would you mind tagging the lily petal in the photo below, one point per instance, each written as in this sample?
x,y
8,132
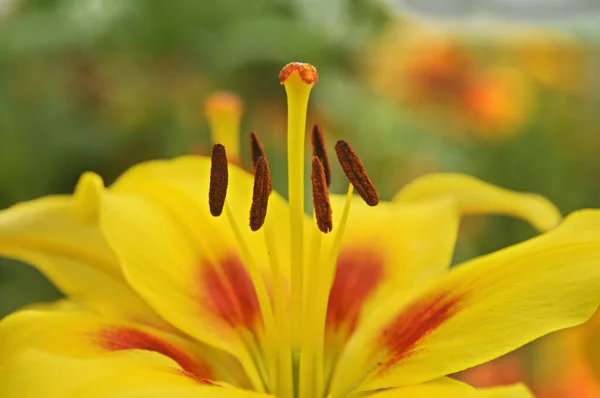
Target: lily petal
x,y
68,350
448,388
396,246
67,330
481,310
209,296
388,247
474,196
138,373
181,187
156,384
50,234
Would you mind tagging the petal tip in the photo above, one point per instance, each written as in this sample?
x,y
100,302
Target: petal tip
x,y
87,196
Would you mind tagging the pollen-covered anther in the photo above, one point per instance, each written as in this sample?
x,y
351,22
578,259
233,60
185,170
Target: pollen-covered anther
x,y
260,194
355,172
306,72
321,203
219,178
256,149
320,151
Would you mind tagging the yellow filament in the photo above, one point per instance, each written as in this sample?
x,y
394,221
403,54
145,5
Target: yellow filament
x,y
285,384
263,297
323,288
308,372
224,113
298,93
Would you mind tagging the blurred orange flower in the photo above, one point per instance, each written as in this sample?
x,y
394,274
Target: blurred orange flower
x,y
441,77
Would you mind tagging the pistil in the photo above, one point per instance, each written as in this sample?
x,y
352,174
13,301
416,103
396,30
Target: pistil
x,y
298,80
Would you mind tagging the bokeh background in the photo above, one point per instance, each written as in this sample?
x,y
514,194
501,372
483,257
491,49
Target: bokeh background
x,y
503,90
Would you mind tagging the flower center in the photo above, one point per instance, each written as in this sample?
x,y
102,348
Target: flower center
x,y
293,347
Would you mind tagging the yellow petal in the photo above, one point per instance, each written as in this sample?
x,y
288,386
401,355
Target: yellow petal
x,y
51,234
400,245
474,196
36,373
181,187
141,383
208,296
447,388
481,309
70,331
385,249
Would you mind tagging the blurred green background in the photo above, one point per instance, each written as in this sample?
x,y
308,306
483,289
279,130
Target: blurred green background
x,y
102,84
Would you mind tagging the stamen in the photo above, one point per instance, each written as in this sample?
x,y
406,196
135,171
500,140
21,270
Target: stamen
x,y
323,288
355,172
320,151
321,196
219,177
260,195
256,149
285,384
223,111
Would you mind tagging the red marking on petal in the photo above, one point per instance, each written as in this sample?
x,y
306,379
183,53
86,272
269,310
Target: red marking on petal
x,y
416,322
357,275
123,338
230,292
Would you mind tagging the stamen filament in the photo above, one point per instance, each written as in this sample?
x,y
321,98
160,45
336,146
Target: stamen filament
x,y
298,80
285,386
262,294
322,293
308,371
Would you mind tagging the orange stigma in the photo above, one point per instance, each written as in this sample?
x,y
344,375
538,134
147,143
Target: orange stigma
x,y
307,72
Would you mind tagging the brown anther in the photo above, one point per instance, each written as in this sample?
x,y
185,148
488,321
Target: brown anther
x,y
320,151
256,149
355,172
219,178
260,194
320,193
307,72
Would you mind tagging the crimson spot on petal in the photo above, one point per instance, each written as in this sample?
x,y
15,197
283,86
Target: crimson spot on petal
x,y
122,338
358,273
416,322
230,292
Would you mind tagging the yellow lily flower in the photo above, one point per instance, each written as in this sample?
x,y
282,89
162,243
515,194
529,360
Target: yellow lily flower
x,y
167,297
